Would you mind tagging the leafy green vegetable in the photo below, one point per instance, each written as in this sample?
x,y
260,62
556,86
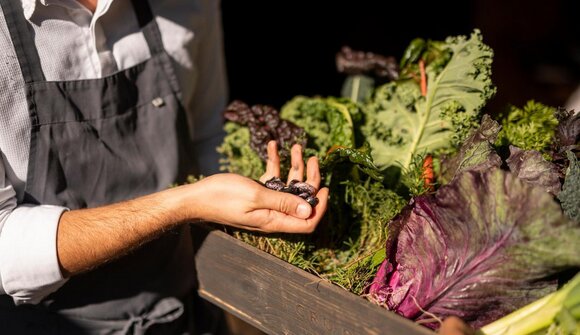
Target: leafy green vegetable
x,y
568,131
401,123
361,158
375,206
292,248
529,128
481,247
327,122
413,179
413,52
238,155
476,153
478,248
570,194
355,275
556,313
531,167
357,88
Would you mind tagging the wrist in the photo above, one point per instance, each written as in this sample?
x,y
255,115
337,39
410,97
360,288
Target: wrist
x,y
186,203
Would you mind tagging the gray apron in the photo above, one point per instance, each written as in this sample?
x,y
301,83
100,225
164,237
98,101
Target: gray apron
x,y
95,142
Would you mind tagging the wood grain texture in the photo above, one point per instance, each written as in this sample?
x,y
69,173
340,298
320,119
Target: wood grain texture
x,y
279,298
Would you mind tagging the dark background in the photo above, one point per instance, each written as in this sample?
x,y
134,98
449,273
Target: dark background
x,y
278,49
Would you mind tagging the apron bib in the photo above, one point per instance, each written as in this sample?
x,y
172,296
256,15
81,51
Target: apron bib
x,y
95,142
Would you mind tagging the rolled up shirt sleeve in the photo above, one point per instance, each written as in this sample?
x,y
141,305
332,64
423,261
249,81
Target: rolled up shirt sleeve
x,y
29,268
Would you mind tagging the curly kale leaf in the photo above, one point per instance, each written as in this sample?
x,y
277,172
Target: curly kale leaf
x,y
401,123
529,128
357,88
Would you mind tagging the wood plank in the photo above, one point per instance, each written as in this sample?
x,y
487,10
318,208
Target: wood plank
x,y
279,298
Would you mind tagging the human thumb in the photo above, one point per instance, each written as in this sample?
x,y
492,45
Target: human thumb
x,y
287,203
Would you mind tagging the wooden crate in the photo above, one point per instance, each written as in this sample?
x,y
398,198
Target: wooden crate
x,y
279,298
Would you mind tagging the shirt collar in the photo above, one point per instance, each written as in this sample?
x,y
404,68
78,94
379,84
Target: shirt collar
x,y
29,6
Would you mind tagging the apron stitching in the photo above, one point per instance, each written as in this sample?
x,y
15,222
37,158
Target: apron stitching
x,y
134,70
131,110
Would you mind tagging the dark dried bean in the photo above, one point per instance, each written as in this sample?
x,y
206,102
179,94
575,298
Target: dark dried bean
x,y
301,189
313,201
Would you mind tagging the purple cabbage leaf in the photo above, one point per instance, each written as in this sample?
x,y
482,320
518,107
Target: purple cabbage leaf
x,y
477,152
568,131
479,248
531,167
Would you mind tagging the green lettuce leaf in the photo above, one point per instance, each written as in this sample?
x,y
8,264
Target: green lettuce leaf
x,y
401,123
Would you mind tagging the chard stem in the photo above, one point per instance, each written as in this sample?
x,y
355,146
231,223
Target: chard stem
x,y
355,88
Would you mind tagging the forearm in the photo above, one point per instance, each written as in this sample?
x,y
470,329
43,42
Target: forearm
x,y
87,238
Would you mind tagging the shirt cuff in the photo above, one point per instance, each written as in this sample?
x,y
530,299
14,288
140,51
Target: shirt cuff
x,y
28,257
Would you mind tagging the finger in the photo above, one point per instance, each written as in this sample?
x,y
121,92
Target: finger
x,y
286,203
455,326
313,172
289,224
272,164
297,164
319,210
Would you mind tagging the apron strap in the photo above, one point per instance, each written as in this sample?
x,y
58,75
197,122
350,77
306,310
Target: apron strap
x,y
21,33
148,24
152,35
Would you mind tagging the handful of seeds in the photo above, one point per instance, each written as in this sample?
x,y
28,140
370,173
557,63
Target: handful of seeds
x,y
301,189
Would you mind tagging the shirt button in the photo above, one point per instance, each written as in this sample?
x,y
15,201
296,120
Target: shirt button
x,y
158,102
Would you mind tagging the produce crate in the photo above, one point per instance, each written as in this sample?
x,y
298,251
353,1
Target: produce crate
x,y
279,298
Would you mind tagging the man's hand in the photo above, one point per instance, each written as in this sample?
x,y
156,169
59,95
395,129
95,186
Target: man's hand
x,y
87,238
241,202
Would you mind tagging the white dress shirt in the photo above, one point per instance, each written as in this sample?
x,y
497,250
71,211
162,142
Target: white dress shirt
x,y
74,43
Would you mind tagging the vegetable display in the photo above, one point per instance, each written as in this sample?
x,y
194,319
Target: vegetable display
x,y
403,122
435,209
